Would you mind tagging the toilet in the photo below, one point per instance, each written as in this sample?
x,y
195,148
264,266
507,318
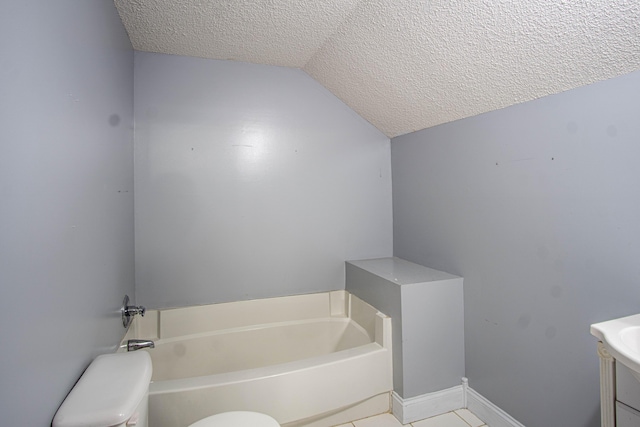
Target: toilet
x,y
114,392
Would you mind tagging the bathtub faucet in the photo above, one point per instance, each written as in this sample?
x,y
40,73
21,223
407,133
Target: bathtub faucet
x,y
133,345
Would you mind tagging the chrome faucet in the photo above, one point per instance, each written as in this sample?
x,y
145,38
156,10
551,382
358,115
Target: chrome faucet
x,y
128,311
133,345
132,310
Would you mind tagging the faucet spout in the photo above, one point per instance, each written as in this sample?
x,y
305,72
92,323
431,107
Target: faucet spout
x,y
133,345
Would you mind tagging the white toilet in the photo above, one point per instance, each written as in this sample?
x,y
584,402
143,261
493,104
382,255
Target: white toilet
x,y
114,392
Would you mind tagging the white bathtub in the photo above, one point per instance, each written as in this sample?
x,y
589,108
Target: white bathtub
x,y
316,360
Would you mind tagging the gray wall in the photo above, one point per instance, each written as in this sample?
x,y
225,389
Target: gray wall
x,y
537,206
252,181
426,308
66,197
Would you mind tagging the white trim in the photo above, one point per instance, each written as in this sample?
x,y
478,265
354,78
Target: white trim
x,y
426,405
443,401
488,412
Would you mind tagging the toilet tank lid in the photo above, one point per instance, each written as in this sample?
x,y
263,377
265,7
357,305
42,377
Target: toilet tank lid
x,y
108,392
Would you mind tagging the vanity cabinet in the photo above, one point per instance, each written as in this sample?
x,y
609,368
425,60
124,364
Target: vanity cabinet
x,y
627,397
619,393
626,416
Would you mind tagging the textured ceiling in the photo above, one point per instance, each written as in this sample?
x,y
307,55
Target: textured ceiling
x,y
406,65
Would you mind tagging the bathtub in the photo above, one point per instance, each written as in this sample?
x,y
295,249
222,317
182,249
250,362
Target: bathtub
x,y
314,360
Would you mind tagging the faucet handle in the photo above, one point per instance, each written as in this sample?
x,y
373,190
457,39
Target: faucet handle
x,y
136,309
128,311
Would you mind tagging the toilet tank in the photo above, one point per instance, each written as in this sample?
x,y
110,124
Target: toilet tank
x,y
112,392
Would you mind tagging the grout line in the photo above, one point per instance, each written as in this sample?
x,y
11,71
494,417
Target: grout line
x,y
459,416
412,423
484,424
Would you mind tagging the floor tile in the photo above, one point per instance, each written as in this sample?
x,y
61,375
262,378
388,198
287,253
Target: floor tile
x,y
445,420
384,420
470,417
345,425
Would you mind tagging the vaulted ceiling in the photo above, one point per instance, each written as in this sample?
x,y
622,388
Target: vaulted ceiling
x,y
406,65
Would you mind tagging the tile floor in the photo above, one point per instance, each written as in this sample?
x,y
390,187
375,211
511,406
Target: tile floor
x,y
459,418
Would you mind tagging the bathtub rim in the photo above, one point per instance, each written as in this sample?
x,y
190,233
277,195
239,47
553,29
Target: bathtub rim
x,y
257,327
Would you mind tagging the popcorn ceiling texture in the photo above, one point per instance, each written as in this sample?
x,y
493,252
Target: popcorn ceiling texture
x,y
406,65
273,32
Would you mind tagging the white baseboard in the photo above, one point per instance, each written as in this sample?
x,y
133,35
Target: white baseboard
x,y
426,405
451,399
488,412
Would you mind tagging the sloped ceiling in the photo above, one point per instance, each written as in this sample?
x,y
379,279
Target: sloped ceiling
x,y
406,65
